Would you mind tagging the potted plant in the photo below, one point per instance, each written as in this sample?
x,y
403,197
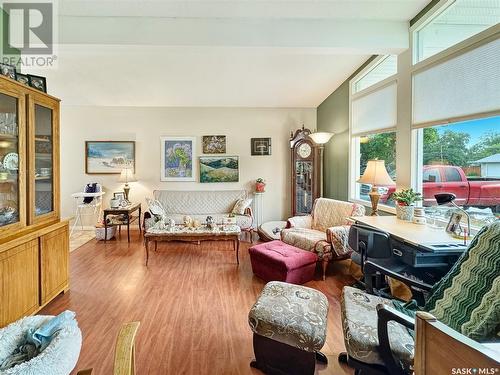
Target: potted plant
x,y
405,200
260,185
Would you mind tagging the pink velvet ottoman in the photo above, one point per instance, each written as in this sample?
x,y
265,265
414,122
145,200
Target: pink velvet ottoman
x,y
278,261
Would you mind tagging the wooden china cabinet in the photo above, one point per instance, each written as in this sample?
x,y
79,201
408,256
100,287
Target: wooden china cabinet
x,y
304,167
34,243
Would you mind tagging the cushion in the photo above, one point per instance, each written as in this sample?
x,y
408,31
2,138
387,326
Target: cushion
x,y
90,188
282,255
241,205
466,298
58,358
291,314
330,212
155,207
308,239
359,322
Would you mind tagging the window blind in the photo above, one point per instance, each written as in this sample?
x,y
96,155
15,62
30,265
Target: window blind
x,y
462,86
375,111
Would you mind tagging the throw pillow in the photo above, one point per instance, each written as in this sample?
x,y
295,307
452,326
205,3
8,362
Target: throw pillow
x,y
241,205
90,188
155,207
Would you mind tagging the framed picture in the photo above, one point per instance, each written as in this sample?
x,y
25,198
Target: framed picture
x,y
8,70
260,146
37,82
214,144
109,157
454,225
177,155
120,195
23,78
219,169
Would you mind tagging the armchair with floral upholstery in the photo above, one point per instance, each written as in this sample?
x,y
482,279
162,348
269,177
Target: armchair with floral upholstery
x,y
325,231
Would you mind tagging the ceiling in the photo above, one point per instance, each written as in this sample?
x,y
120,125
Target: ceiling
x,y
219,53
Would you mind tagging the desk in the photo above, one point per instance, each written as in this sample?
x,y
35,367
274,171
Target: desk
x,y
415,244
127,211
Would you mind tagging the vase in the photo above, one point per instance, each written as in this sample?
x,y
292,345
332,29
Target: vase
x,y
260,187
405,212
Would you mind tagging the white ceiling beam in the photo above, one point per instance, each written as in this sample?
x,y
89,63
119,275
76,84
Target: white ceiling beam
x,y
340,35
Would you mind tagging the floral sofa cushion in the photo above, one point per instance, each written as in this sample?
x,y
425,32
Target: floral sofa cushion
x,y
359,322
291,314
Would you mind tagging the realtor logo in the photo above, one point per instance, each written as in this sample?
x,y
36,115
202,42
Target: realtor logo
x,y
28,28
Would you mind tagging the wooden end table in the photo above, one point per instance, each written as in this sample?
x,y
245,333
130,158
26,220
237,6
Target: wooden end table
x,y
181,233
127,211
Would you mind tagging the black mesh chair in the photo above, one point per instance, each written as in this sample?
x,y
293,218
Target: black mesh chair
x,y
371,244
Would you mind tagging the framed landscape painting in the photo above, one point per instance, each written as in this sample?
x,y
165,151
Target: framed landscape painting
x,y
177,155
219,169
109,157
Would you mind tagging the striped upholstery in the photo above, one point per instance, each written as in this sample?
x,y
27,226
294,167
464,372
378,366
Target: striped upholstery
x,y
468,298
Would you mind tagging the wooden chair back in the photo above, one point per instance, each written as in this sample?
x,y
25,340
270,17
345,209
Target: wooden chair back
x,y
440,349
124,351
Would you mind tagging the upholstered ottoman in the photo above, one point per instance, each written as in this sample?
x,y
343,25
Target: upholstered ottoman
x,y
289,328
278,261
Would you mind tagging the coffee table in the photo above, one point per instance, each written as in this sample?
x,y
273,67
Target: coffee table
x,y
203,233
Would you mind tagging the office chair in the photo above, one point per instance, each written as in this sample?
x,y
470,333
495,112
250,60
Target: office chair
x,y
368,243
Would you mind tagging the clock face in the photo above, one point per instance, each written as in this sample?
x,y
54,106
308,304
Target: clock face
x,y
304,150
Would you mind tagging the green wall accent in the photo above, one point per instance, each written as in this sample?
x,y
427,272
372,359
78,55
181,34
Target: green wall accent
x,y
333,116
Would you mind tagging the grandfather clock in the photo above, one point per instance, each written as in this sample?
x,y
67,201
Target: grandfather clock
x,y
305,171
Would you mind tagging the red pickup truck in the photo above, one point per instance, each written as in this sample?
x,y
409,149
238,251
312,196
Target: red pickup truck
x,y
470,191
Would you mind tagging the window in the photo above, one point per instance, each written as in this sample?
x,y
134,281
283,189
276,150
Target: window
x,y
462,158
380,146
385,67
459,20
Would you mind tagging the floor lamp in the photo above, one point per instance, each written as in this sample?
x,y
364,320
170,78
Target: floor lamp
x,y
321,138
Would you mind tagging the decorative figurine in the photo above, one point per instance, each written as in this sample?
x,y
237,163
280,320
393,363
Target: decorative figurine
x,y
210,222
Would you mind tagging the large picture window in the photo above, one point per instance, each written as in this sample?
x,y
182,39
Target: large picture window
x,y
462,158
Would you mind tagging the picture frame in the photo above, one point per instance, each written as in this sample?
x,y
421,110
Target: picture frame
x,y
8,70
178,158
23,79
38,82
260,146
109,157
120,195
216,169
454,224
214,144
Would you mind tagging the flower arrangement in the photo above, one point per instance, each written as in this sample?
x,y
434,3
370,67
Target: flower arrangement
x,y
260,185
405,200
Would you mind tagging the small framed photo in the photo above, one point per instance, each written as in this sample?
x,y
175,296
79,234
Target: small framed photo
x,y
260,146
8,70
23,78
454,225
119,195
37,82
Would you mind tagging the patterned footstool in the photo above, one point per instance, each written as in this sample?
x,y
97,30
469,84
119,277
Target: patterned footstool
x,y
278,261
289,326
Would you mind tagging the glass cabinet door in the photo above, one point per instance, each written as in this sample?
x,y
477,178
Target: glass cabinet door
x,y
43,117
44,166
303,187
11,153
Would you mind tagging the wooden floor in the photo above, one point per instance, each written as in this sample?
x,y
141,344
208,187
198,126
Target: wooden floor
x,y
192,302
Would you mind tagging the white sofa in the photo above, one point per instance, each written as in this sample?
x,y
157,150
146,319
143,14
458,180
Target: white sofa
x,y
200,204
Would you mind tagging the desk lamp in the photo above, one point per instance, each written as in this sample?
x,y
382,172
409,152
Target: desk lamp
x,y
376,175
127,175
445,198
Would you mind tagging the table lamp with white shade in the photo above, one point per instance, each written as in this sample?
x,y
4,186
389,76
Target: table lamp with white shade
x,y
127,175
376,175
321,138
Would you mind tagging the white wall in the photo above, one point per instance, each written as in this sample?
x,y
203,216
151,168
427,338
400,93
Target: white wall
x,y
145,125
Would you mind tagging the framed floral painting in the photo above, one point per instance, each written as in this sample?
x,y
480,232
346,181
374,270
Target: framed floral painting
x,y
177,155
